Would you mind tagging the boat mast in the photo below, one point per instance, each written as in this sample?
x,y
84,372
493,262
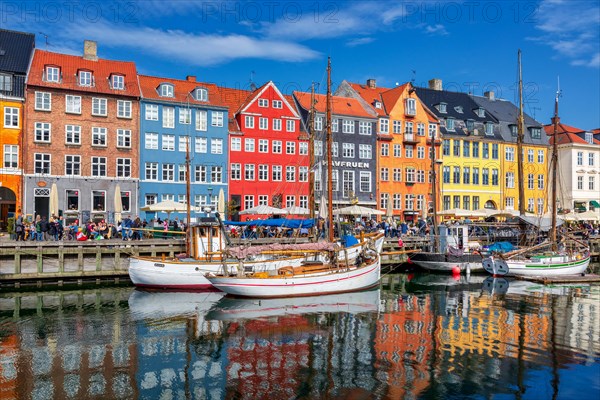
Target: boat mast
x,y
311,153
520,139
434,194
554,166
188,235
329,152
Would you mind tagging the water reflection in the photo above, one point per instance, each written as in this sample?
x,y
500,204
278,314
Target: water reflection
x,y
429,336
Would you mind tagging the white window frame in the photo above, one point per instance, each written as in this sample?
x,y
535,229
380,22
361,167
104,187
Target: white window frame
x,y
99,106
11,156
151,112
97,163
72,104
117,82
168,117
74,161
201,120
124,138
43,101
42,132
73,132
216,118
151,141
123,169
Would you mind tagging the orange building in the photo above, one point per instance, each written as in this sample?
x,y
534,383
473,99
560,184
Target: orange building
x,y
404,132
17,49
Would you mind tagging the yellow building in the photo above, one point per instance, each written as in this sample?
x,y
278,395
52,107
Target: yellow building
x,y
14,62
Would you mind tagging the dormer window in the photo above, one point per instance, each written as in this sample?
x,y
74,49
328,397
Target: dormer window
x,y
470,124
442,107
458,109
514,130
489,128
480,112
86,78
201,94
117,82
377,104
411,107
166,90
589,137
450,124
263,103
536,133
6,83
52,74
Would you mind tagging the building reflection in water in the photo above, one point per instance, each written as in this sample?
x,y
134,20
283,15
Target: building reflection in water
x,y
440,340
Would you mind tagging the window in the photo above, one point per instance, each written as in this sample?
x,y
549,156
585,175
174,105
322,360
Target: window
x,y
73,134
236,172
365,152
216,146
249,121
411,107
489,128
43,101
410,175
580,158
450,124
52,74
263,102
303,148
290,125
249,172
530,205
201,173
536,133
302,174
348,150
277,104
420,152
277,147
182,173
540,206
318,124
117,82
385,149
420,129
476,177
397,174
466,148
236,144
347,126
168,172
446,202
494,151
421,176
384,125
290,201
168,197
168,117
248,201
151,112
11,156
397,127
151,199
446,147
201,120
11,117
276,172
263,146
592,183
466,202
290,173
334,149
183,143
580,183
540,182
530,184
276,124
485,177
201,94
485,152
98,166
42,163
263,123
591,159
348,183
151,141
217,118
456,178
124,138
466,175
408,151
432,131
185,116
99,106
123,167
42,132
216,174
397,150
6,83
409,202
73,104
530,156
495,177
510,180
409,129
168,142
166,90
384,174
151,171
510,202
540,156
365,181
510,154
72,199
304,201
85,78
456,200
98,200
442,108
589,137
290,148
263,172
365,128
397,201
456,148
249,145
514,131
446,174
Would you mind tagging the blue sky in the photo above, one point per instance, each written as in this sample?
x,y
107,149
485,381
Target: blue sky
x,y
470,45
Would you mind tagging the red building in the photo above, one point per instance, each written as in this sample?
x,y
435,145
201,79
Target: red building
x,y
268,154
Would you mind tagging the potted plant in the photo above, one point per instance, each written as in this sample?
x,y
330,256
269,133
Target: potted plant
x,y
10,228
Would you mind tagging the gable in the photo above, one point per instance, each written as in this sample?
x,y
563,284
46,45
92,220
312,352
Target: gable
x,y
269,92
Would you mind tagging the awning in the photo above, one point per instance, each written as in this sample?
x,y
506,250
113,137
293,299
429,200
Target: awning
x,y
594,204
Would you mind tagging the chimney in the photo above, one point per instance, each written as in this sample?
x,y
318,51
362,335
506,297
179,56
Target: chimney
x,y
190,78
372,83
490,95
90,50
435,84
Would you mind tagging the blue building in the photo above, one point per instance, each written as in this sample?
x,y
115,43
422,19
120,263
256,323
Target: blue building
x,y
175,114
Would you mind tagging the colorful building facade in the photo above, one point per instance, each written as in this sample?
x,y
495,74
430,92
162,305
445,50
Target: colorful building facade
x,y
81,136
17,49
177,115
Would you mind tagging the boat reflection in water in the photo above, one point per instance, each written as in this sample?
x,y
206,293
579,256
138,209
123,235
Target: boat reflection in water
x,y
436,340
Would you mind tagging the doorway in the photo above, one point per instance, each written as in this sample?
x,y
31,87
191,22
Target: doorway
x,y
8,204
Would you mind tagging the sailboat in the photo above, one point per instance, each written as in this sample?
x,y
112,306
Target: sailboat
x,y
334,276
551,257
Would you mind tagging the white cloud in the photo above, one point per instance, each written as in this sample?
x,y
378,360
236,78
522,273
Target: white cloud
x,y
437,29
359,41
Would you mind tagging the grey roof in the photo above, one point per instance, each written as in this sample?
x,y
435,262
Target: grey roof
x,y
507,114
16,49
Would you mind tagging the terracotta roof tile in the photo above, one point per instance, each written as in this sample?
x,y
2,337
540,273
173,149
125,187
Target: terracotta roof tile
x,y
70,65
370,95
182,92
340,105
233,99
569,134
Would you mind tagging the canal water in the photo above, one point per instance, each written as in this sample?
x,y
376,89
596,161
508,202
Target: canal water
x,y
418,336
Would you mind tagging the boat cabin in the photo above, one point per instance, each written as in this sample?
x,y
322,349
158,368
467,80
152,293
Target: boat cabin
x,y
455,236
207,240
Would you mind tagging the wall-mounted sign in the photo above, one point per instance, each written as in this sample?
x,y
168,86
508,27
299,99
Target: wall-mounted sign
x,y
42,184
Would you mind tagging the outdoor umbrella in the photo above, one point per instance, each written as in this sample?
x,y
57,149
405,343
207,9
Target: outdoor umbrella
x,y
118,204
295,210
323,208
263,210
54,200
167,206
357,210
221,203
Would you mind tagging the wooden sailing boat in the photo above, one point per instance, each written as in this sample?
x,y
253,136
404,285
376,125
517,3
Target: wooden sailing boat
x,y
310,279
548,258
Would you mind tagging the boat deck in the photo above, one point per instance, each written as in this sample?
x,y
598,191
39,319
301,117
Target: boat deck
x,y
549,280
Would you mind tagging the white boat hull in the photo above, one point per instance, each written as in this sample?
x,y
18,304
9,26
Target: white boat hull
x,y
312,284
547,266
